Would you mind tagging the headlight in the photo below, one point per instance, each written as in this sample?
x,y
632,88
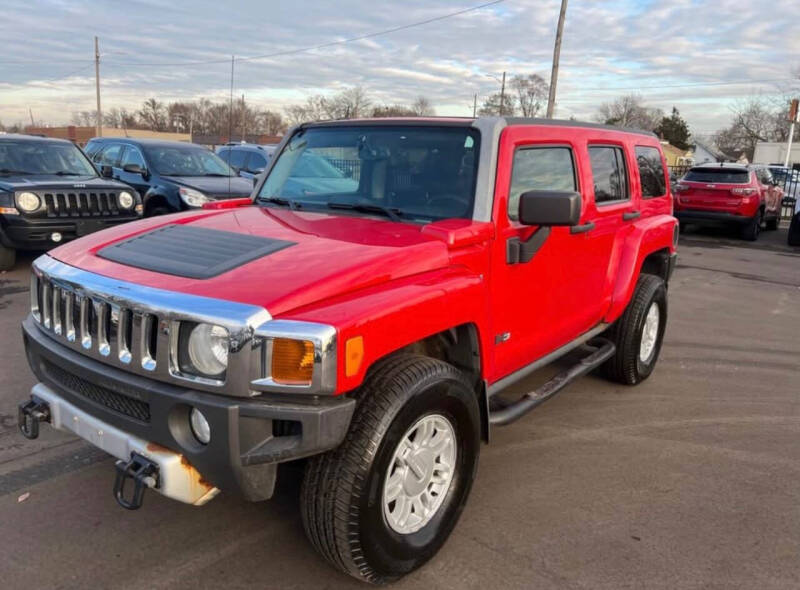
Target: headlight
x,y
192,197
126,200
207,349
28,202
200,426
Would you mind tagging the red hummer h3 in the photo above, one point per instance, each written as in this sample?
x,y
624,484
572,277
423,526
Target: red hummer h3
x,y
729,194
365,310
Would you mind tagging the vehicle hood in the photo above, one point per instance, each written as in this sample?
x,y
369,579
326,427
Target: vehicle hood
x,y
329,255
54,182
216,186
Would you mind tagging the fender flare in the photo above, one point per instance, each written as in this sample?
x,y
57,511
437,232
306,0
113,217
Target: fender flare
x,y
651,235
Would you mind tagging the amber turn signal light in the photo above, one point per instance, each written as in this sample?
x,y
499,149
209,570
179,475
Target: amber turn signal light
x,y
292,361
354,355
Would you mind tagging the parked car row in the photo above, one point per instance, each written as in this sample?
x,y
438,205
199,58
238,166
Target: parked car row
x,y
52,192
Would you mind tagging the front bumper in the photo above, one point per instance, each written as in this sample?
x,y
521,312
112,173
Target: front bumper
x,y
249,437
710,217
20,232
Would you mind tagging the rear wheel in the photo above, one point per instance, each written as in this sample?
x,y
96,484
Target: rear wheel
x,y
771,224
384,502
753,227
8,257
638,334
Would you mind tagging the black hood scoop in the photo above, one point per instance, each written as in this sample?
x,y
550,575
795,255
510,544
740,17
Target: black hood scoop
x,y
191,252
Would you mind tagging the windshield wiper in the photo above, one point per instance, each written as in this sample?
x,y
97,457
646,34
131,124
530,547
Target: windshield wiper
x,y
68,173
218,174
392,213
293,205
10,171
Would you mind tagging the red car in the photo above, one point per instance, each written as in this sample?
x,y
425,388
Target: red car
x,y
729,194
371,326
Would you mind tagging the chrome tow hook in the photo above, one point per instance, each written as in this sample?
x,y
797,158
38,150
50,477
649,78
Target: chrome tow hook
x,y
144,474
29,414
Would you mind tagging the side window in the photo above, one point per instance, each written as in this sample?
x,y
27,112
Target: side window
x,y
651,172
540,168
132,156
609,174
256,162
235,158
110,155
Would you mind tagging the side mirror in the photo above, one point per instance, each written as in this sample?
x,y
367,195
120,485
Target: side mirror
x,y
106,171
257,171
550,208
134,169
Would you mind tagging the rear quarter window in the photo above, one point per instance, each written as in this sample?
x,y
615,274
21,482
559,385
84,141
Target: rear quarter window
x,y
718,175
651,172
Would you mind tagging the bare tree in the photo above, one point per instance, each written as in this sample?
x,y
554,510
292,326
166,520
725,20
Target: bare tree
x,y
532,92
348,104
422,107
393,110
152,115
630,111
753,121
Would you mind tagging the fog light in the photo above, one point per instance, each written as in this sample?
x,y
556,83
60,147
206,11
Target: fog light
x,y
200,427
56,236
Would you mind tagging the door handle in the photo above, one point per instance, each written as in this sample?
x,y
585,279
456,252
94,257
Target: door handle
x,y
581,229
628,215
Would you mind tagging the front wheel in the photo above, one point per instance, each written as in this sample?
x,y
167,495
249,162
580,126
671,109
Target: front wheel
x,y
384,502
638,334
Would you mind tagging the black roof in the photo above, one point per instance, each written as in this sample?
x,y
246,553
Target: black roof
x,y
24,137
727,166
144,141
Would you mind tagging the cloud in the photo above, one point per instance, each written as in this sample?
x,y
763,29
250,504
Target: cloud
x,y
610,48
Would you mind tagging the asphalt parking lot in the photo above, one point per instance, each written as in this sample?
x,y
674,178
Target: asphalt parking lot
x,y
687,481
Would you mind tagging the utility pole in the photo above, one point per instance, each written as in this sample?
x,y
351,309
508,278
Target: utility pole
x,y
551,101
30,112
475,106
794,114
99,130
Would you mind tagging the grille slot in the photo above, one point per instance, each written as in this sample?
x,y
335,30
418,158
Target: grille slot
x,y
117,402
98,326
91,204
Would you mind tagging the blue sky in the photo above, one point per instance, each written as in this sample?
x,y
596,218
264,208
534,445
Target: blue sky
x,y
678,52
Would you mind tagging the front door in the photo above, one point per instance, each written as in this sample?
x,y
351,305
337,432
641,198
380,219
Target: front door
x,y
563,290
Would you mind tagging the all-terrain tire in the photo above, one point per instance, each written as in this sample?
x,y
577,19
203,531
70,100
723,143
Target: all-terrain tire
x,y
342,496
752,228
8,257
627,365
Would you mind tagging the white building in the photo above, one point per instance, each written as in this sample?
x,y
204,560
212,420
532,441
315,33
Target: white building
x,y
768,152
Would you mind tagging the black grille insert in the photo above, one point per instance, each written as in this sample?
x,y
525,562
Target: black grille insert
x,y
117,402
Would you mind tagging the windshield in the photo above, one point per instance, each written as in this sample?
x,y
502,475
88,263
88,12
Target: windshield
x,y
187,160
720,175
43,157
406,173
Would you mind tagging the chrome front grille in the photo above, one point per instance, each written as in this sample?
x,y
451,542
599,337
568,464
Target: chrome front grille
x,y
137,328
121,334
83,204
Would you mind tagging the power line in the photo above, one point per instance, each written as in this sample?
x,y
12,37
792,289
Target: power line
x,y
61,77
691,84
320,46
